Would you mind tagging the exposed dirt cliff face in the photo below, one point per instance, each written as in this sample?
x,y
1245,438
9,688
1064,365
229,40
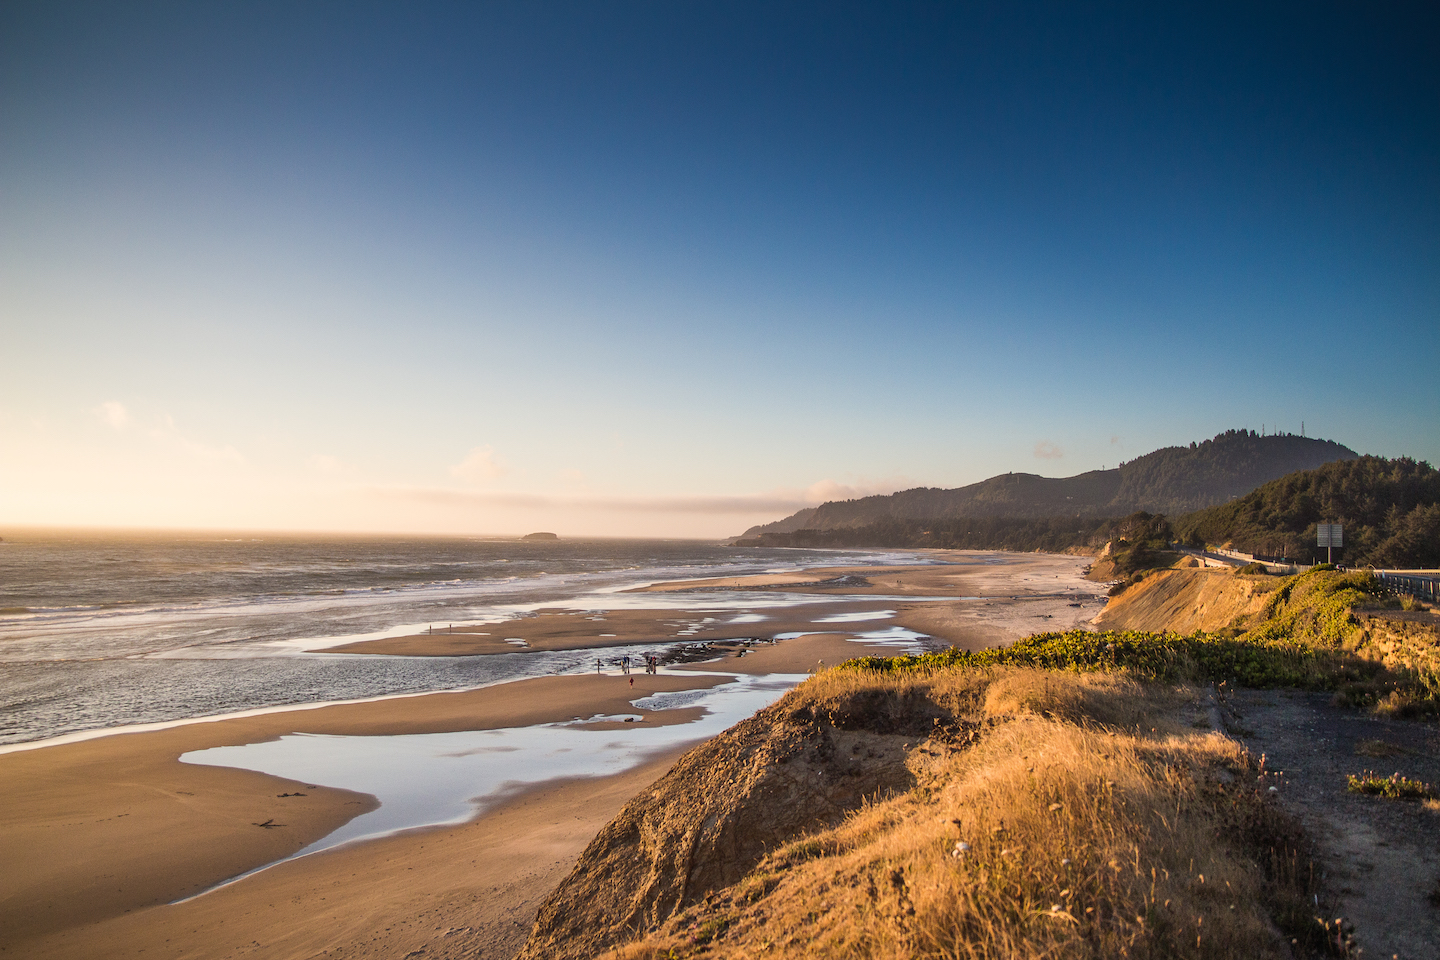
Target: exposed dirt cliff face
x,y
1183,601
784,772
1047,814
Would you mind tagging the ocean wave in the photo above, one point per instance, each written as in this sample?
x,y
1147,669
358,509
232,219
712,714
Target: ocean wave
x,y
110,632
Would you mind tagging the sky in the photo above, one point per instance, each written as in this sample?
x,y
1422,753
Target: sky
x,y
673,269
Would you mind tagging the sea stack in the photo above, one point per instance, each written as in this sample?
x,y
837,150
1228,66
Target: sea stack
x,y
540,536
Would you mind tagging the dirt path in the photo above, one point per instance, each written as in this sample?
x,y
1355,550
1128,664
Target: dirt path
x,y
1381,857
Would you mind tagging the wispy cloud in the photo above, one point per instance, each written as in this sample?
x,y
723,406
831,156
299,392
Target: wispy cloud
x,y
537,501
777,501
1045,450
164,432
824,490
479,465
113,413
169,434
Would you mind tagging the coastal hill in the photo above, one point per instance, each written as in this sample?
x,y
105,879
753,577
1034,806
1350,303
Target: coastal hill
x,y
1172,480
1390,510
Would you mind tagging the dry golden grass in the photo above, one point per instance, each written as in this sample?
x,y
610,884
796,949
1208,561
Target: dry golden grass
x,y
1076,815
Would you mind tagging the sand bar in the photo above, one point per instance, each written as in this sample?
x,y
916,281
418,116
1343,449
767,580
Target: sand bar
x,y
574,630
965,598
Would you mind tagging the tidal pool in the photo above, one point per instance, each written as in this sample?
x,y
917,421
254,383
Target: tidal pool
x,y
433,779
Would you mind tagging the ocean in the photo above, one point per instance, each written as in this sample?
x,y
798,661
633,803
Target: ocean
x,y
102,630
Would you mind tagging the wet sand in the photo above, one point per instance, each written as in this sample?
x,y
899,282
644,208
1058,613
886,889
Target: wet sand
x,y
954,573
575,630
807,654
465,891
101,827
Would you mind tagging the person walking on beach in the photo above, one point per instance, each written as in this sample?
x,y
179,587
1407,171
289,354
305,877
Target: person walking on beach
x,y
597,666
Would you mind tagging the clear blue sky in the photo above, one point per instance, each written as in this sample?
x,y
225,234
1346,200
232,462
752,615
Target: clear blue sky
x,y
676,268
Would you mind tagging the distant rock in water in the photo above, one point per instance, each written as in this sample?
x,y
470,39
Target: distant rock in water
x,y
540,536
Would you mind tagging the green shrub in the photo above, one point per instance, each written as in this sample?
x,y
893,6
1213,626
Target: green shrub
x,y
1393,787
1197,658
1154,656
1317,607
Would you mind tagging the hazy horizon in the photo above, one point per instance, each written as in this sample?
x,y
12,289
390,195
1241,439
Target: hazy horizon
x,y
639,270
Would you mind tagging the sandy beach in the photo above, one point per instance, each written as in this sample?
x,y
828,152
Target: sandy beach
x,y
102,827
464,891
101,835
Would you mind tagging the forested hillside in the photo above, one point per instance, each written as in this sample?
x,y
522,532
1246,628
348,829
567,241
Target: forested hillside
x,y
1390,510
1172,481
1049,534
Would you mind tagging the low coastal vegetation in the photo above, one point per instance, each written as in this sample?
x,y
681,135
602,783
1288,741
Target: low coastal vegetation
x,y
1309,636
1393,787
1071,795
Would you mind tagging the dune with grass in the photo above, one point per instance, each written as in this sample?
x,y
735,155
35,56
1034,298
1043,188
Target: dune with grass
x,y
1005,812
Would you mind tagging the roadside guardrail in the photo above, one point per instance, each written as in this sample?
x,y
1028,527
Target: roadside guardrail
x,y
1418,586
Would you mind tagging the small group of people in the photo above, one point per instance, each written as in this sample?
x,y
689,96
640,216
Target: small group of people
x,y
652,664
